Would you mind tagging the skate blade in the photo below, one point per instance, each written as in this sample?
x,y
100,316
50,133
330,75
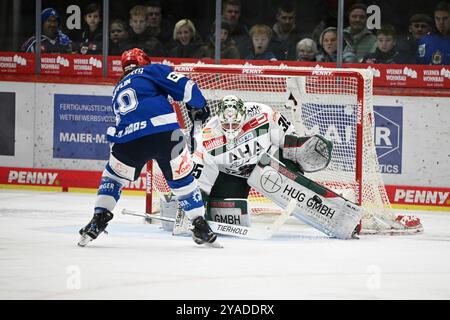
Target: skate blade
x,y
214,244
84,240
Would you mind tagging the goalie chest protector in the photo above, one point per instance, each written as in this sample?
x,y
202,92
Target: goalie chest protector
x,y
238,157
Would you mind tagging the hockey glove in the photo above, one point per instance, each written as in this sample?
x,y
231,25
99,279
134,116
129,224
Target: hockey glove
x,y
198,114
310,153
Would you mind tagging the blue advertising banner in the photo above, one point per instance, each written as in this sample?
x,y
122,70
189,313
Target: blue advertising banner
x,y
337,123
388,138
80,124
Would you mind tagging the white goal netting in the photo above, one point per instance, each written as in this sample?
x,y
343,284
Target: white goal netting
x,y
336,103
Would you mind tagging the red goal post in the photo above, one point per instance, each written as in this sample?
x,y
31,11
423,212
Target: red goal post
x,y
336,103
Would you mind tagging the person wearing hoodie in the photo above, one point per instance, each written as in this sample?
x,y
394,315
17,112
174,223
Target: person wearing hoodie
x,y
328,51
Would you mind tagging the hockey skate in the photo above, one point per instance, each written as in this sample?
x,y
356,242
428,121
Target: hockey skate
x,y
202,233
96,226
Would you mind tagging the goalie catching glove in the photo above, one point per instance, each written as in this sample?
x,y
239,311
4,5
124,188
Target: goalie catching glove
x,y
310,153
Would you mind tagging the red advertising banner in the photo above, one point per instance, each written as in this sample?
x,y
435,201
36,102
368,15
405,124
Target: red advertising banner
x,y
428,198
58,178
72,65
17,62
384,75
404,196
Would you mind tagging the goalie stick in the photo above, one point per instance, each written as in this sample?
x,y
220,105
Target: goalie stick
x,y
231,229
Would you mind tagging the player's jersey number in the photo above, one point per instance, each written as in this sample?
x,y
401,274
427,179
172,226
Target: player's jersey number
x,y
127,101
197,171
174,76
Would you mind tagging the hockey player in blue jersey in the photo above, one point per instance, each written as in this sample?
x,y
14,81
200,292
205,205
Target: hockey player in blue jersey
x,y
147,128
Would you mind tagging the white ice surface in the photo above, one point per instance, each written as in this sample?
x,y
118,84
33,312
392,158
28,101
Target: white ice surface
x,y
40,259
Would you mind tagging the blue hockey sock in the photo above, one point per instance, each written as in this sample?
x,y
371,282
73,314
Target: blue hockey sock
x,y
192,204
108,194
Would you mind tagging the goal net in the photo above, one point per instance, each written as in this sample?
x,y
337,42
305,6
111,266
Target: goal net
x,y
336,103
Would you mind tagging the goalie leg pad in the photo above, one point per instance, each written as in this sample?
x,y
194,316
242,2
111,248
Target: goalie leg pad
x,y
180,223
230,211
316,205
168,210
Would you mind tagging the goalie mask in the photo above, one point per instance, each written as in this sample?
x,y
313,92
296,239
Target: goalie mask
x,y
231,115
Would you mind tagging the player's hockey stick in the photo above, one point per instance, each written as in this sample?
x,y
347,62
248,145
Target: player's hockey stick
x,y
231,229
217,227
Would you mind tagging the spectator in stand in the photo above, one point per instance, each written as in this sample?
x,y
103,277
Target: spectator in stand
x,y
261,35
419,26
52,39
231,13
286,35
306,50
386,51
357,35
157,26
228,49
139,38
188,43
328,51
434,48
92,37
118,39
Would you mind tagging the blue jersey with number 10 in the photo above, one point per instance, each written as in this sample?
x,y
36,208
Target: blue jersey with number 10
x,y
141,106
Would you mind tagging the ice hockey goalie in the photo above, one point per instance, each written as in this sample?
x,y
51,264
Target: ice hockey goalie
x,y
233,142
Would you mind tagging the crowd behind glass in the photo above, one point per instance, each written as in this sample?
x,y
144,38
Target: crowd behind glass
x,y
426,40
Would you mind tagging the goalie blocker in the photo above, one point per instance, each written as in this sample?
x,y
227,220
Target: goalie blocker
x,y
316,205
